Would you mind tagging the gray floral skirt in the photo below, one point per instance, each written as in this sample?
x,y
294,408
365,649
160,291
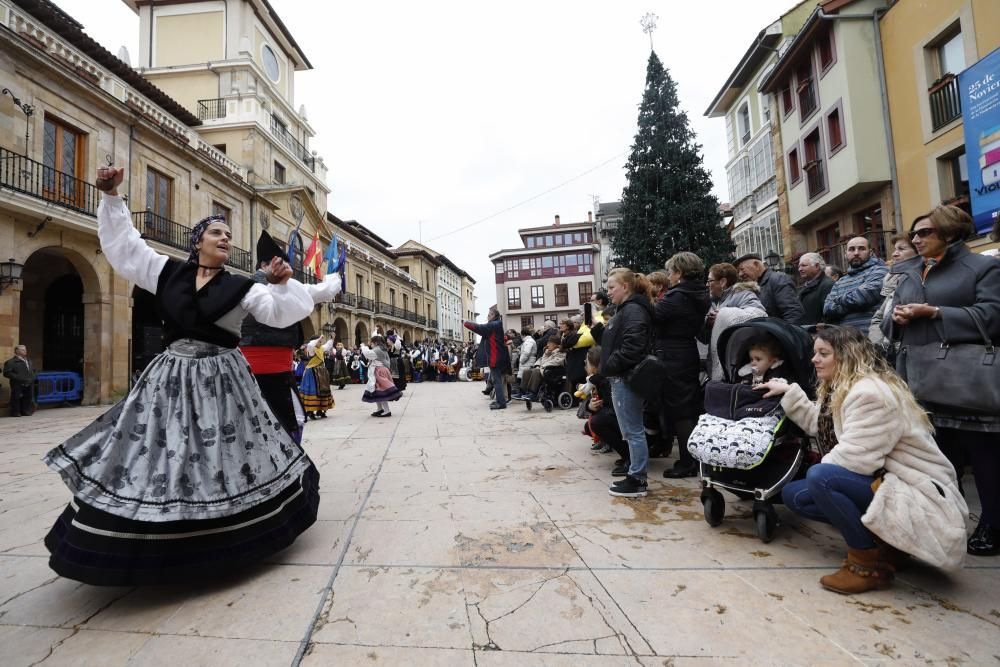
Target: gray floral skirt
x,y
194,439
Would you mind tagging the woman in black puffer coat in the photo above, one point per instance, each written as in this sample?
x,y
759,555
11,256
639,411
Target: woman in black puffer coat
x,y
678,316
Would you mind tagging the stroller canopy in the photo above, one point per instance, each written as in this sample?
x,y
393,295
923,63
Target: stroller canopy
x,y
733,349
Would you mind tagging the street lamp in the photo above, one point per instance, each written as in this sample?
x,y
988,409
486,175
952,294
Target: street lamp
x,y
10,273
773,260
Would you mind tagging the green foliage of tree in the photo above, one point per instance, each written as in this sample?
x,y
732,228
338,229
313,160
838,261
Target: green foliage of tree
x,y
668,205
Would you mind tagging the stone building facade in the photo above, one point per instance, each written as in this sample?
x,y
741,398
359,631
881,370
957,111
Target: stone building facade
x,y
86,106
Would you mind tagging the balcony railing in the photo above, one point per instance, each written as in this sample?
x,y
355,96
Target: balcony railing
x,y
410,315
282,134
305,277
211,109
946,103
815,177
365,303
433,324
347,299
421,320
175,235
22,174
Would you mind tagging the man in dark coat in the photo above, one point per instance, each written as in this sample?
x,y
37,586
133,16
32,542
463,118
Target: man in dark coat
x,y
493,354
777,292
269,351
815,286
21,373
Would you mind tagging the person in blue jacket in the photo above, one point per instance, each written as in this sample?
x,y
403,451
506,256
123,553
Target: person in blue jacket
x,y
493,354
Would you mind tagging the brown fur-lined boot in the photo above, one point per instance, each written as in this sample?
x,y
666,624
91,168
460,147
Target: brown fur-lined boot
x,y
864,570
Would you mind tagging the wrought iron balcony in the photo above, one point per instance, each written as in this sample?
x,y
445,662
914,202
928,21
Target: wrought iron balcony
x,y
365,303
347,299
305,277
433,324
411,316
175,235
390,310
945,101
282,134
421,320
211,109
22,174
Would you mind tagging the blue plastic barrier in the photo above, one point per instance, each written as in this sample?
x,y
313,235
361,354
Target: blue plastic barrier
x,y
59,387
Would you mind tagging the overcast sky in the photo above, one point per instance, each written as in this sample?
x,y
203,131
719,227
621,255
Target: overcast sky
x,y
449,112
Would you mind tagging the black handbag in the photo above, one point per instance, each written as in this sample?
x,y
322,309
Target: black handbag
x,y
647,378
961,376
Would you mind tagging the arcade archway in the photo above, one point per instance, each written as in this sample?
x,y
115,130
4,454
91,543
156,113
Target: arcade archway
x,y
361,334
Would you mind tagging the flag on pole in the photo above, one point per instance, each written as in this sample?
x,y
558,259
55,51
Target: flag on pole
x,y
312,260
331,257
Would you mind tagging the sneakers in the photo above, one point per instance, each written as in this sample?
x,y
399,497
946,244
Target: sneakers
x,y
620,470
630,487
496,406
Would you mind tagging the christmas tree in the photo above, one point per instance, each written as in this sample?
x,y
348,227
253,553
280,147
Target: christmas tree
x,y
668,205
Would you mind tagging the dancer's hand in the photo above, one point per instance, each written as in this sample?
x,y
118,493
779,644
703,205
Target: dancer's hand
x,y
108,179
278,272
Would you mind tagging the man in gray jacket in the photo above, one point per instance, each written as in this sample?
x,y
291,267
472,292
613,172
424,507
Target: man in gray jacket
x,y
777,292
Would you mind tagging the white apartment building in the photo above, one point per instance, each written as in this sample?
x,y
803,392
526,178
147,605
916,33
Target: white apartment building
x,y
554,274
449,295
750,171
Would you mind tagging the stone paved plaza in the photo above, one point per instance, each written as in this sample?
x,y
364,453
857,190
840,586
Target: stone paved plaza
x,y
453,535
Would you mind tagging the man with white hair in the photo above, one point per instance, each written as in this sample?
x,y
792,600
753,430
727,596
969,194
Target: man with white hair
x,y
816,285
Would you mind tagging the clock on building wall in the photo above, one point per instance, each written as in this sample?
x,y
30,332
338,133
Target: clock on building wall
x,y
270,63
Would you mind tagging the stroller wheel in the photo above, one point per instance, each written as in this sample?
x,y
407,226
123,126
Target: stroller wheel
x,y
565,400
766,521
547,404
715,506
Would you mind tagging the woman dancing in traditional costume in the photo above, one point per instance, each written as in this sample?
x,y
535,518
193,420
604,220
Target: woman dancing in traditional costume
x,y
340,375
315,385
381,389
191,475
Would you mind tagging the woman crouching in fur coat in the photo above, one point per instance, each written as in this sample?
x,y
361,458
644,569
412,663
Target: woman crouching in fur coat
x,y
883,482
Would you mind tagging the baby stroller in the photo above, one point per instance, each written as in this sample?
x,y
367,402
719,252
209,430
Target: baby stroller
x,y
788,455
554,391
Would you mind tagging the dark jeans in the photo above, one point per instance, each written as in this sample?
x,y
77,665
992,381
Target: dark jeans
x,y
499,386
835,495
982,451
22,401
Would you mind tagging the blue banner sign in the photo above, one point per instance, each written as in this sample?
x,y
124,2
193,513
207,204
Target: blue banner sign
x,y
979,87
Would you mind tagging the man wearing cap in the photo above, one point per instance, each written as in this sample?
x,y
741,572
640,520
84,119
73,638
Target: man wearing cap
x,y
777,292
269,351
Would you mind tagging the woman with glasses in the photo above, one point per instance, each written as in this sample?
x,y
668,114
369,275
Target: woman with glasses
x,y
936,291
902,249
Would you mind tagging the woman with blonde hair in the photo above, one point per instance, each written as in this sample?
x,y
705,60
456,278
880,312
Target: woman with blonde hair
x,y
625,341
883,482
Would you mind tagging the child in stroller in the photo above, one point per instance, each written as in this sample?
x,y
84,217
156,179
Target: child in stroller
x,y
744,444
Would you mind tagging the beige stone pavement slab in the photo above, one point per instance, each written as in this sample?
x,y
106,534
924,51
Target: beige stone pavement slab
x,y
462,531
